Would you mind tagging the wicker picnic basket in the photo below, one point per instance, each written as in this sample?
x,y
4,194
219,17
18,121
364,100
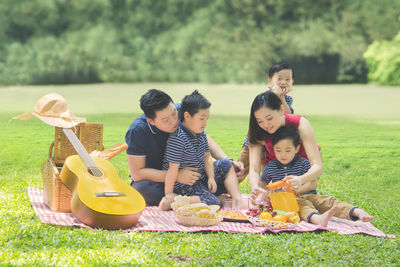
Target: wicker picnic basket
x,y
55,194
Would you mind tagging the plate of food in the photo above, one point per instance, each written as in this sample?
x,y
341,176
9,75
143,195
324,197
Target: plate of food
x,y
264,216
234,216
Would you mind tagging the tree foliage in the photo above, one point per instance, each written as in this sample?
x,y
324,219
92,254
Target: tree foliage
x,y
75,41
383,61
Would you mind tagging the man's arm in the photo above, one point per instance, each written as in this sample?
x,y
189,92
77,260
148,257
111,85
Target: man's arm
x,y
217,153
138,172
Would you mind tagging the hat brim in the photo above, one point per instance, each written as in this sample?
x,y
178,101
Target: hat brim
x,y
61,122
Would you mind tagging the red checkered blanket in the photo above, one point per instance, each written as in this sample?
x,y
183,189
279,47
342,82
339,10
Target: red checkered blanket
x,y
165,221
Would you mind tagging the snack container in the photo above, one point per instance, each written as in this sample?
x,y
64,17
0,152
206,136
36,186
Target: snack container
x,y
243,204
282,200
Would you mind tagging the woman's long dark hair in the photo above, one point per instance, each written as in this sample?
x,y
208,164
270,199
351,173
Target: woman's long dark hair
x,y
268,100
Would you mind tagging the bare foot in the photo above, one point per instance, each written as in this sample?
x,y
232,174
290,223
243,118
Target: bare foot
x,y
323,219
362,215
165,204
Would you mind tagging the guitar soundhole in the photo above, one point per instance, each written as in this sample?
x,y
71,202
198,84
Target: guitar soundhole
x,y
95,172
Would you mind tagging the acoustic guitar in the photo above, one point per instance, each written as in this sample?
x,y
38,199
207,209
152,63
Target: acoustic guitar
x,y
99,197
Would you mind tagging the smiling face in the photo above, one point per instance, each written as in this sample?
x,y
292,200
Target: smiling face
x,y
269,120
285,150
198,122
283,79
166,119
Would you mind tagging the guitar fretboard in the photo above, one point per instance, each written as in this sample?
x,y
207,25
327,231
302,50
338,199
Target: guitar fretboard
x,y
82,152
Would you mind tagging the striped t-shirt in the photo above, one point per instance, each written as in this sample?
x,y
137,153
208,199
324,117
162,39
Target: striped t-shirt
x,y
186,149
275,171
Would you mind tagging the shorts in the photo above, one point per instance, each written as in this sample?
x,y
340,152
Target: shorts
x,y
153,192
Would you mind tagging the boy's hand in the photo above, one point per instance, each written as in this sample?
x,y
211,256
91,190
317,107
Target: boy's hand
x,y
188,175
276,90
212,185
279,91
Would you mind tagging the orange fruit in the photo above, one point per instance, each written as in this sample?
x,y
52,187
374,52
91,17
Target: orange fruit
x,y
265,216
280,218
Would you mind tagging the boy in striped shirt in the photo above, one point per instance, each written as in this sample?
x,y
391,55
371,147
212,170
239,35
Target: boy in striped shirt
x,y
286,143
188,147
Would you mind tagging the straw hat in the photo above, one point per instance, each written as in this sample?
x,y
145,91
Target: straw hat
x,y
52,109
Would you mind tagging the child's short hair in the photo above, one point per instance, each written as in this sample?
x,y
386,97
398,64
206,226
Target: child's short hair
x,y
154,100
278,67
193,102
286,132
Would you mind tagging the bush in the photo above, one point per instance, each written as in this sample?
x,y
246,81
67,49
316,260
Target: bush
x,y
383,61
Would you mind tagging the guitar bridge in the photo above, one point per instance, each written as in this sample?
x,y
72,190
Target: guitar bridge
x,y
110,194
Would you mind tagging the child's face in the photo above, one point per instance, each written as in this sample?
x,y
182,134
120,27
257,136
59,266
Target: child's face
x,y
198,122
285,151
283,78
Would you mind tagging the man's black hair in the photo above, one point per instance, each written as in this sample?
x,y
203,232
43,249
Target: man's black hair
x,y
154,100
286,132
193,102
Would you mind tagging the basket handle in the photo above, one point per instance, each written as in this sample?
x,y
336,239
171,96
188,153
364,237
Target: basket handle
x,y
51,149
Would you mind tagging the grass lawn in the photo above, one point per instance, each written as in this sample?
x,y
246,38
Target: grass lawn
x,y
361,152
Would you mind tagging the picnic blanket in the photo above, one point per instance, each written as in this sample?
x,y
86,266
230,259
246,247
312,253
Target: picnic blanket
x,y
165,221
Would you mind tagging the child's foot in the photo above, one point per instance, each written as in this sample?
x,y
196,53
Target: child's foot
x,y
362,215
165,204
166,201
323,219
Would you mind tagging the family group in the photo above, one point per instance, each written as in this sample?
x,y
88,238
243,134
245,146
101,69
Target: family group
x,y
169,152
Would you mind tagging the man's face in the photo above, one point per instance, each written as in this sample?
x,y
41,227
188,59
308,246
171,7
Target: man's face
x,y
166,120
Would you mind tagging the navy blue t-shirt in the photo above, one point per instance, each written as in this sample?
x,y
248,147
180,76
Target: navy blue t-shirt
x,y
143,139
275,171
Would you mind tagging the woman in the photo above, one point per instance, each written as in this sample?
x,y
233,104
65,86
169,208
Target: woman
x,y
267,115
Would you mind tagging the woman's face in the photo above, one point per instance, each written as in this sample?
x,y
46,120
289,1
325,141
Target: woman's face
x,y
268,119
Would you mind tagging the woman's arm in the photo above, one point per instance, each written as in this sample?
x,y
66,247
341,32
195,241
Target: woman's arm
x,y
254,165
170,178
312,185
314,157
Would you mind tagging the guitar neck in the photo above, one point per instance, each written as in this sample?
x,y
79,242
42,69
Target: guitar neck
x,y
82,152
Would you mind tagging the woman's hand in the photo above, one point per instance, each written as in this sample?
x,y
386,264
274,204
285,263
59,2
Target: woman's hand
x,y
258,195
295,182
188,175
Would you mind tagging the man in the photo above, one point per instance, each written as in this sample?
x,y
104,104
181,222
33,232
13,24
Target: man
x,y
147,138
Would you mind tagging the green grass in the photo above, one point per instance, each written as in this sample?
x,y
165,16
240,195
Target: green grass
x,y
360,158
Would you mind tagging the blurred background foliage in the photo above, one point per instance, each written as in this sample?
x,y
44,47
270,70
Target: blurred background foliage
x,y
219,41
